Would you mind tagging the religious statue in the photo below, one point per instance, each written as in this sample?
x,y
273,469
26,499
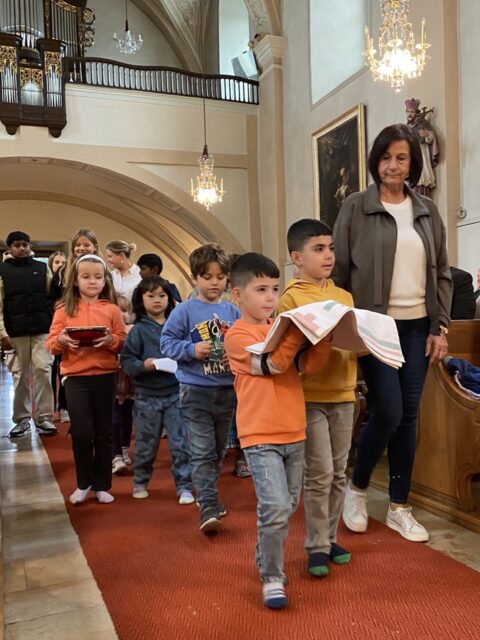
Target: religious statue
x,y
417,119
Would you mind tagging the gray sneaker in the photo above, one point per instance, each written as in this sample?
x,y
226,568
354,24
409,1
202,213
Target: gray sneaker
x,y
46,428
20,429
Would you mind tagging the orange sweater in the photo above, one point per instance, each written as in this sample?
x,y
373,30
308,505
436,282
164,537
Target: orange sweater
x,y
271,406
88,361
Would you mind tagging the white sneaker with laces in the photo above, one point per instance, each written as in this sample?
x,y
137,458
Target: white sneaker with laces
x,y
118,466
355,514
402,521
46,428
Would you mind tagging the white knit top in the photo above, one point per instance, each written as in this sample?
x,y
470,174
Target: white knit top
x,y
407,293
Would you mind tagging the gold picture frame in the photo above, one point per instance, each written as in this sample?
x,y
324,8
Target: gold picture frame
x,y
339,162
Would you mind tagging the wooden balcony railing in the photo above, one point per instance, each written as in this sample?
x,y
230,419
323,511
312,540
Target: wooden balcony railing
x,y
99,72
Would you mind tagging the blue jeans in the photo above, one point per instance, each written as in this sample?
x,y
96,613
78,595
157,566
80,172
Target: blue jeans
x,y
208,413
277,472
150,414
393,400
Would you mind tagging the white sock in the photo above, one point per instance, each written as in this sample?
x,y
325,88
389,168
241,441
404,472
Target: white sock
x,y
79,495
104,497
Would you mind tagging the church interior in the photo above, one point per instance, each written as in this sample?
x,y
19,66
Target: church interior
x,y
170,124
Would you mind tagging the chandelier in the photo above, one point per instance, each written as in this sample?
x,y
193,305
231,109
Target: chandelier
x,y
399,57
205,191
128,43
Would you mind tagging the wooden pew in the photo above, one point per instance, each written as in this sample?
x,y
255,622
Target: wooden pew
x,y
448,441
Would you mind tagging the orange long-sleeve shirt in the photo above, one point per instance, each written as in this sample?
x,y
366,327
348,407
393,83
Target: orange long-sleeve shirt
x,y
271,406
88,361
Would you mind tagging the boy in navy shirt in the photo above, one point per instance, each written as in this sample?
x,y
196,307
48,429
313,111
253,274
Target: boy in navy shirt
x,y
193,336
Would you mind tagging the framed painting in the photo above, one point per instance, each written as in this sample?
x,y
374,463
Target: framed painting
x,y
339,162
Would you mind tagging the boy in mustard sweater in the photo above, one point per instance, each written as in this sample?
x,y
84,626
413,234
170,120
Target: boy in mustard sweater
x,y
270,415
329,396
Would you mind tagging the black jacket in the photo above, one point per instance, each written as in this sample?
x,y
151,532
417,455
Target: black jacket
x,y
27,307
463,300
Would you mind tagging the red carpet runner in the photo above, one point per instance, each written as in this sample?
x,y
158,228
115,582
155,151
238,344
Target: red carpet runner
x,y
163,580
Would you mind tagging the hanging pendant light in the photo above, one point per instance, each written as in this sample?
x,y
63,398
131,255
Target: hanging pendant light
x,y
398,55
128,43
204,189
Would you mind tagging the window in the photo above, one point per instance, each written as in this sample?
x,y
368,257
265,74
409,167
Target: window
x,y
233,30
337,39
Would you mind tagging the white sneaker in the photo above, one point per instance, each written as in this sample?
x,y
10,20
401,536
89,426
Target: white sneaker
x,y
64,417
118,466
140,492
186,497
355,514
402,521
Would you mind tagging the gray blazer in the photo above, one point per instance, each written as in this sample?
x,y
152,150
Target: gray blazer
x,y
365,239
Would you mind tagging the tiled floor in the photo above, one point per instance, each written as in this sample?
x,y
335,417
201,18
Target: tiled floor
x,y
50,592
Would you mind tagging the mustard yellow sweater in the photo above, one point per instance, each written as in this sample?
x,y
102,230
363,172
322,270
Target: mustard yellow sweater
x,y
337,380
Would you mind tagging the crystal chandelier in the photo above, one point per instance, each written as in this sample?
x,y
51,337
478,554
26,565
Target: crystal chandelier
x,y
128,43
399,57
205,191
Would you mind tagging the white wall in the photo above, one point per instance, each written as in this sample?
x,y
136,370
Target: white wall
x,y
469,229
110,18
383,105
154,140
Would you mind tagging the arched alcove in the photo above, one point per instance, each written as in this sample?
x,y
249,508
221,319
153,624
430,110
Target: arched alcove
x,y
51,198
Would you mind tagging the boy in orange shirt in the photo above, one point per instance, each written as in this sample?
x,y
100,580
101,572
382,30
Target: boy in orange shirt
x,y
271,412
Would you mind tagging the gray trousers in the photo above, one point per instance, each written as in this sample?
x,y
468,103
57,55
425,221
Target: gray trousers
x,y
31,356
329,435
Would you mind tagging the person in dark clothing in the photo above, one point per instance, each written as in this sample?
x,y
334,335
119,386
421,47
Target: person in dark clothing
x,y
463,299
25,317
152,265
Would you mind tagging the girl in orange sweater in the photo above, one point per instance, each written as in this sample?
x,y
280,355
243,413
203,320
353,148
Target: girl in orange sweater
x,y
89,365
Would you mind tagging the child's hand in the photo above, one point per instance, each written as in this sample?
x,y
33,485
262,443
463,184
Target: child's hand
x,y
202,350
104,341
66,341
149,365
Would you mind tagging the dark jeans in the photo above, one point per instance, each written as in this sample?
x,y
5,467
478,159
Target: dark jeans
x,y
122,425
393,400
59,398
208,413
90,403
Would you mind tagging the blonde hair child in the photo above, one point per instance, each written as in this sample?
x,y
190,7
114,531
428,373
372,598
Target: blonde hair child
x,y
89,369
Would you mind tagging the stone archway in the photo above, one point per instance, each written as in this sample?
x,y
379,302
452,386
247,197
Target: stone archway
x,y
163,224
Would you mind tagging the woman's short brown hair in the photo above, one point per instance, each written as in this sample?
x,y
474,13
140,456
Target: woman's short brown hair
x,y
390,134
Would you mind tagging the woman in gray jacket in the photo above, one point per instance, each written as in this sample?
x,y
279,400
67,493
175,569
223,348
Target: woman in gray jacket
x,y
391,255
